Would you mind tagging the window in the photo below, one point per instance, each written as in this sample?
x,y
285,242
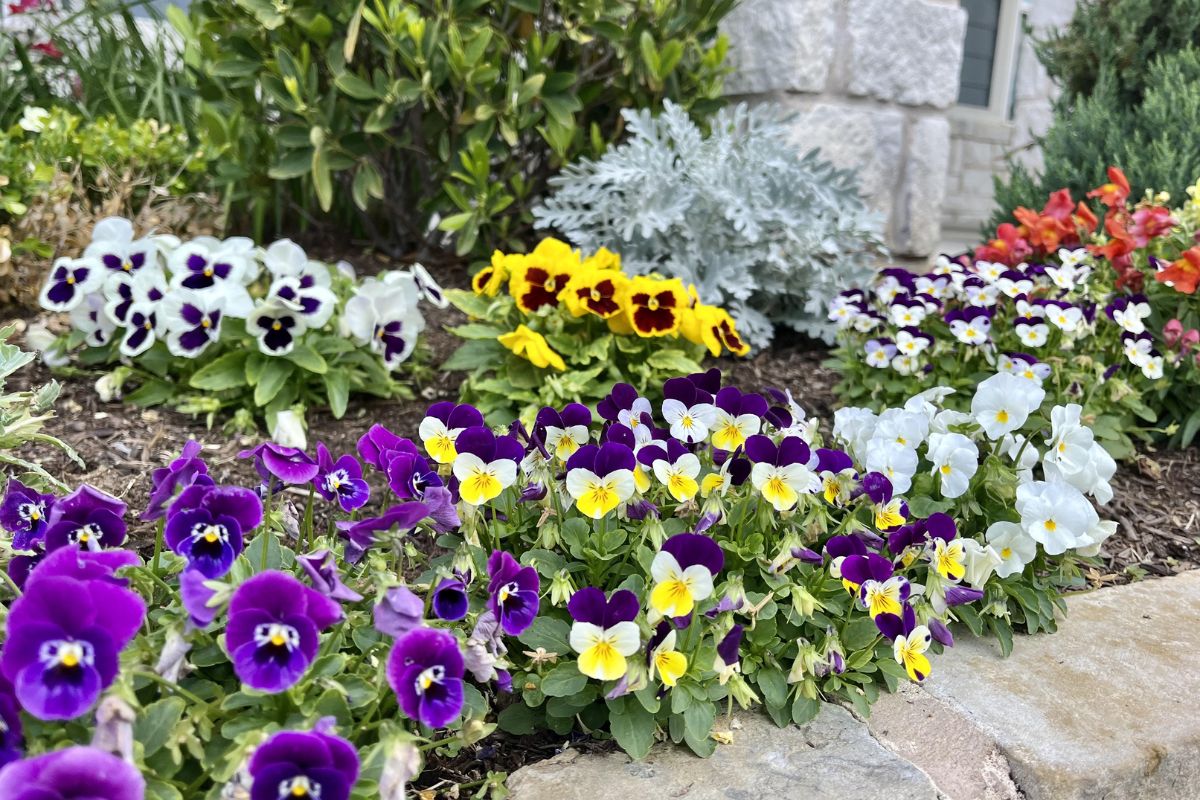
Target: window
x,y
990,50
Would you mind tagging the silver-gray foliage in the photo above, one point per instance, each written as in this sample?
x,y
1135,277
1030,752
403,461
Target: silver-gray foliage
x,y
769,233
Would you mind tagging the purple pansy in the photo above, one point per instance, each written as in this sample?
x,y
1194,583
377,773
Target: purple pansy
x,y
74,562
64,639
141,329
207,525
362,534
591,606
287,464
166,481
276,327
442,424
398,612
12,738
196,596
193,321
321,568
24,513
858,569
513,593
87,517
450,601
304,765
69,281
729,651
561,433
378,443
340,480
76,773
274,626
409,474
425,670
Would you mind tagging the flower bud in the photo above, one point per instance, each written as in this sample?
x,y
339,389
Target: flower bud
x,y
561,588
806,663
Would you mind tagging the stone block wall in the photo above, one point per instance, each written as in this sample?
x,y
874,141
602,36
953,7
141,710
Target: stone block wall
x,y
870,82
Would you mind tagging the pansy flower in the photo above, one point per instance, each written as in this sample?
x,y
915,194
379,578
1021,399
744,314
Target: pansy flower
x,y
624,405
675,468
837,474
912,341
276,328
595,291
738,417
166,481
363,534
192,320
955,460
1130,312
274,627
88,517
970,325
204,263
398,612
890,511
782,473
90,319
512,592
879,352
74,773
712,327
378,445
1024,366
429,288
683,572
383,315
1138,347
688,410
1003,403
12,737
491,277
664,660
113,246
321,569
654,307
207,525
906,311
533,347
1032,331
121,290
604,633
910,642
141,329
24,513
879,590
539,278
600,477
729,660
307,293
64,640
486,464
1013,283
304,765
1063,315
563,432
425,670
441,426
450,601
69,281
409,475
278,462
340,480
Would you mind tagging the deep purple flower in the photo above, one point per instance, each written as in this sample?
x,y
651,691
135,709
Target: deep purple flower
x,y
957,595
64,639
862,568
340,480
450,601
321,569
24,512
21,566
838,547
728,650
12,738
166,481
425,670
304,765
876,486
362,534
288,464
378,443
708,381
893,626
940,632
807,555
622,398
88,517
513,592
591,606
398,612
791,450
196,596
409,474
76,773
689,549
274,625
73,561
207,525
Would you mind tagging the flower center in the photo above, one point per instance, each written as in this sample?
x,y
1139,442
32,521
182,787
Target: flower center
x,y
276,635
84,533
277,325
335,480
210,533
428,677
66,653
1051,525
507,591
652,304
1002,416
299,786
31,512
1006,553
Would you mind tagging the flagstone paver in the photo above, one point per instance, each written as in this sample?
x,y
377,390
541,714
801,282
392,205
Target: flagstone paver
x,y
833,757
1109,707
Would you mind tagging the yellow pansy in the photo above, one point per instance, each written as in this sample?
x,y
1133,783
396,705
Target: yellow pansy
x,y
602,651
538,278
489,279
712,327
889,515
949,558
653,306
910,652
668,663
592,291
884,597
532,346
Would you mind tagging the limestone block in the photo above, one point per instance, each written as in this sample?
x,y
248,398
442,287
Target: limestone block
x,y
906,51
918,214
780,45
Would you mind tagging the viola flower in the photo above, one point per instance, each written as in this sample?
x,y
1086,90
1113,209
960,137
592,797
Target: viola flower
x,y
192,321
441,426
65,636
12,737
664,660
879,352
683,572
1139,348
512,592
782,474
398,612
276,328
910,642
87,517
1014,283
595,291
486,464
113,246
675,468
912,341
430,289
1064,316
623,405
539,278
75,773
654,307
450,600
1003,403
896,461
604,633
204,263
1054,514
869,576
340,480
287,464
563,433
1024,366
141,330
409,474
122,289
24,513
1183,275
1130,312
1032,331
274,627
712,327
738,417
600,477
689,411
492,277
971,326
90,319
304,765
166,481
955,460
728,660
207,524
425,670
362,534
321,568
69,281
306,293
533,347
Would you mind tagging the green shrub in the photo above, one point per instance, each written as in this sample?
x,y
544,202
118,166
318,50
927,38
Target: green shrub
x,y
1154,143
410,121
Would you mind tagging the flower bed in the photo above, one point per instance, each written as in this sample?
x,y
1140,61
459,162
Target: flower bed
x,y
1058,299
632,574
212,325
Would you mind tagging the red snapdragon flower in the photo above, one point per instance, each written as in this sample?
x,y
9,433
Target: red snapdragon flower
x,y
1183,275
1115,192
1009,247
1150,222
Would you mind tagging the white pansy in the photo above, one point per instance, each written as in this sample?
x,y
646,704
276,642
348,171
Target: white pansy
x,y
33,119
1023,454
1015,547
89,317
1132,316
192,320
955,461
289,430
284,257
906,364
855,427
1065,319
1153,368
899,425
896,461
1090,476
689,423
1055,514
1103,529
1070,443
1003,402
1032,334
980,561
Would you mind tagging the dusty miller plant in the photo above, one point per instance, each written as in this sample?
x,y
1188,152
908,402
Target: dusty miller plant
x,y
770,234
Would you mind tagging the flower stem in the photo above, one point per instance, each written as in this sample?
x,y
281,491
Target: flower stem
x,y
158,545
151,675
11,583
306,530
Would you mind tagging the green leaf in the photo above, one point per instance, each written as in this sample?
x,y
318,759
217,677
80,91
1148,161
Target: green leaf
x,y
632,726
553,635
275,373
355,86
307,358
805,709
564,680
518,719
674,361
225,372
698,720
477,330
337,389
151,393
773,683
156,722
859,633
475,354
322,180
